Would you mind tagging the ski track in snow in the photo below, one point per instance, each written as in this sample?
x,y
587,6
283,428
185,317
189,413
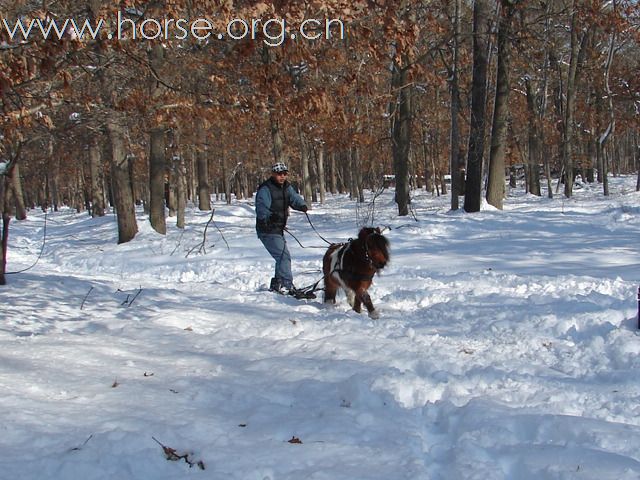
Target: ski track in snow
x,y
507,347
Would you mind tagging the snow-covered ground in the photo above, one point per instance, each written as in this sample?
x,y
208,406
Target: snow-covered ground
x,y
507,347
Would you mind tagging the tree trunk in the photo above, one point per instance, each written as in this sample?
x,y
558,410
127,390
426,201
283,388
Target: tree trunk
x,y
6,218
5,242
181,190
15,188
603,162
226,179
157,171
495,186
348,174
454,153
401,136
170,195
121,183
611,128
307,192
569,111
434,151
475,155
80,190
542,109
97,177
428,173
334,174
357,173
534,142
52,177
636,155
313,167
202,167
276,134
321,177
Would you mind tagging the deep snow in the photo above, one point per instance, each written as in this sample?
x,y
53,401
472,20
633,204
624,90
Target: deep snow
x,y
507,347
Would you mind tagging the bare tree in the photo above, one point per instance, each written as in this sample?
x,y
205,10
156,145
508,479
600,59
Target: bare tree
x,y
157,172
481,29
495,186
122,188
401,134
454,86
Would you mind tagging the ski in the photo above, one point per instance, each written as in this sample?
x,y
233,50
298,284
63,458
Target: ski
x,y
302,294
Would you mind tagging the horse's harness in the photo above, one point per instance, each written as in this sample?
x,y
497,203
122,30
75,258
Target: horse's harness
x,y
359,277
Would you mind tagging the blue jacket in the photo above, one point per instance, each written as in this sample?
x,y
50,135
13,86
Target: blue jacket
x,y
272,206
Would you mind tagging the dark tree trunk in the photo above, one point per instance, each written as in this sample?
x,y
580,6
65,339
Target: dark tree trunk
x,y
534,142
321,175
276,134
202,166
181,190
97,178
401,136
334,174
157,171
121,183
636,156
577,51
357,173
4,239
5,244
349,174
611,128
475,156
454,142
307,187
226,179
52,177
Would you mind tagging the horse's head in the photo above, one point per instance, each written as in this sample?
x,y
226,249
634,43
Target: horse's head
x,y
376,246
364,232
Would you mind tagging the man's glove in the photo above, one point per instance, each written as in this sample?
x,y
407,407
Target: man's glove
x,y
304,209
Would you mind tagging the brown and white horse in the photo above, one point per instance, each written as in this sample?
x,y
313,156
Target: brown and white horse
x,y
352,265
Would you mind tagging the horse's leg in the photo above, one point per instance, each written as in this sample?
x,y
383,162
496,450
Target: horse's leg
x,y
357,303
330,290
366,299
329,265
352,298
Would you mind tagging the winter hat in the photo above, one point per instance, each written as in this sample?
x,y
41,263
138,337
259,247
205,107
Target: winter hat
x,y
279,167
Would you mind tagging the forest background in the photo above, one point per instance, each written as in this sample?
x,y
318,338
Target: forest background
x,y
449,96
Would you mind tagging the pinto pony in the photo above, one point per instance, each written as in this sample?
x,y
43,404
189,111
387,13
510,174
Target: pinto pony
x,y
351,266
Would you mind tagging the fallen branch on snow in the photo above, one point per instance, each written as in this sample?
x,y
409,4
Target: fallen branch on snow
x,y
173,456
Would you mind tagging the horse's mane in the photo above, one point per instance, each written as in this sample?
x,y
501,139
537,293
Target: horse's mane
x,y
380,242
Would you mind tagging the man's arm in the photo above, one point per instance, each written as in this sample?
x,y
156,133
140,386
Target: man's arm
x,y
263,204
296,201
